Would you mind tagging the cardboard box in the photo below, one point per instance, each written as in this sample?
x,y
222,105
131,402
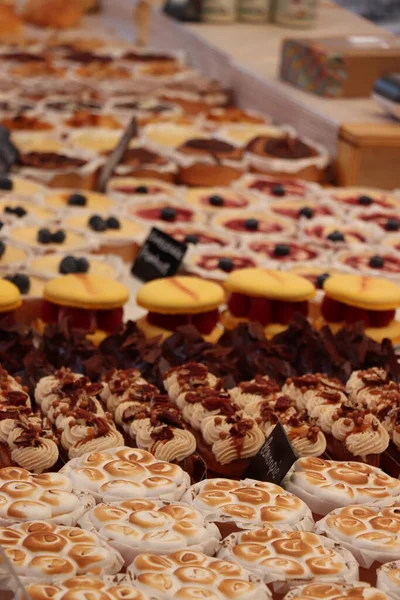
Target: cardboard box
x,y
339,67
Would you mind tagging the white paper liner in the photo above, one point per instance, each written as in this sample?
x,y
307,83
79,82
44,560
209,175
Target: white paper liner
x,y
388,578
302,521
195,254
370,231
370,553
277,165
114,261
281,582
336,592
129,548
105,491
323,505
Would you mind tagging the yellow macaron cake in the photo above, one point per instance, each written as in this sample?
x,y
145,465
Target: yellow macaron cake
x,y
91,303
353,298
175,301
266,296
10,299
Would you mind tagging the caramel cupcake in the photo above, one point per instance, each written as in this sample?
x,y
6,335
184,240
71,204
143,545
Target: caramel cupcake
x,y
49,496
52,553
185,572
284,559
121,473
248,504
173,526
117,235
261,388
326,485
287,155
296,388
189,377
370,532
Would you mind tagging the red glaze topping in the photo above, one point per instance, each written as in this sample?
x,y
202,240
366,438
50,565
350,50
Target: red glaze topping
x,y
355,201
320,232
263,226
265,311
380,218
202,238
297,251
154,214
291,187
293,211
204,322
211,262
391,263
132,189
228,202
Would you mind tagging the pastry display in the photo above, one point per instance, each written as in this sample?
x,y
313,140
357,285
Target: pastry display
x,y
123,473
388,578
372,300
136,526
248,504
91,303
182,574
176,301
282,557
326,485
269,297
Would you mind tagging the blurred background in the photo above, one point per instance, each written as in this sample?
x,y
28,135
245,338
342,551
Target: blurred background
x,y
384,12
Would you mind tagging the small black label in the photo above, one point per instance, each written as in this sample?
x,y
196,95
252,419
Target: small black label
x,y
160,256
8,152
274,459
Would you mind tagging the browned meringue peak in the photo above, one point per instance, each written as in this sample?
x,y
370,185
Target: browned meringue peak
x,y
122,473
388,578
49,496
42,550
334,591
287,558
249,504
189,377
135,526
296,387
326,484
182,574
371,533
82,587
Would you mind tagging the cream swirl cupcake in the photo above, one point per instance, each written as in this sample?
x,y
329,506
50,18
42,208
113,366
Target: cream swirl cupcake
x,y
49,496
171,444
136,526
296,387
326,484
188,377
52,553
221,434
371,533
248,504
260,388
284,559
120,385
361,434
182,574
123,473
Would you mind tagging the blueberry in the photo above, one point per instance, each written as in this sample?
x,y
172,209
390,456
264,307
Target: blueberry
x,y
392,224
225,264
6,184
58,237
251,224
113,223
2,248
82,265
141,189
77,200
278,190
18,211
21,281
44,236
68,265
190,238
365,200
282,250
321,280
336,236
376,262
168,213
216,200
306,212
97,223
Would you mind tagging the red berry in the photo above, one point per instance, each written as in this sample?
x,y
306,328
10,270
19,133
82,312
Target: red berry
x,y
380,318
110,320
78,318
205,322
260,310
49,312
170,322
332,310
355,315
239,304
285,312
